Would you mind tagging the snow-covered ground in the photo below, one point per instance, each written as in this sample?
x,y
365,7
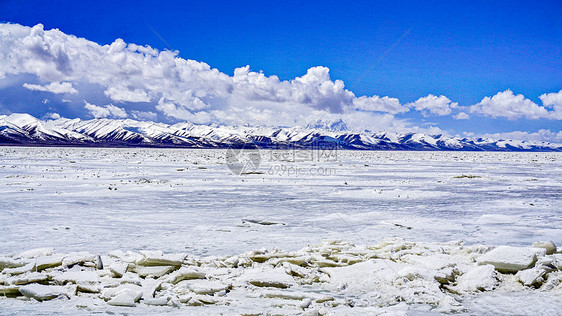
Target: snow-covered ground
x,y
400,218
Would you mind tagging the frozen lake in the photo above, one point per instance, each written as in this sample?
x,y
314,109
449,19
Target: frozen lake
x,y
188,200
61,197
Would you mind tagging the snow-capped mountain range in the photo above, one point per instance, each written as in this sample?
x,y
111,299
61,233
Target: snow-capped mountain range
x,y
24,129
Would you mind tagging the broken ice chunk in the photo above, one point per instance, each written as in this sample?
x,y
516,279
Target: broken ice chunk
x,y
153,271
123,299
530,277
261,222
23,269
32,277
44,292
76,277
159,301
48,262
480,278
187,274
268,277
118,269
508,259
130,277
7,262
548,245
37,252
130,290
74,258
157,258
206,287
9,290
99,262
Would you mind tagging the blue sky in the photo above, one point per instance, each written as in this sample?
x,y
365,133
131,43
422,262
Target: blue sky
x,y
464,51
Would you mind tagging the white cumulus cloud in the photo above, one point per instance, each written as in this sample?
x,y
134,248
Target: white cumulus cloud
x,y
554,101
378,104
461,116
109,110
511,106
434,105
53,116
121,94
53,87
144,115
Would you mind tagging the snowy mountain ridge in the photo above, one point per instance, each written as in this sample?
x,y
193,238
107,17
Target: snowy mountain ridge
x,y
24,129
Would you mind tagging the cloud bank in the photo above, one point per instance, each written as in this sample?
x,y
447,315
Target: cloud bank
x,y
142,79
123,80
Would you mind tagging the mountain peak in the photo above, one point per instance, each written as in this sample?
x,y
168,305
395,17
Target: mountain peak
x,y
21,119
